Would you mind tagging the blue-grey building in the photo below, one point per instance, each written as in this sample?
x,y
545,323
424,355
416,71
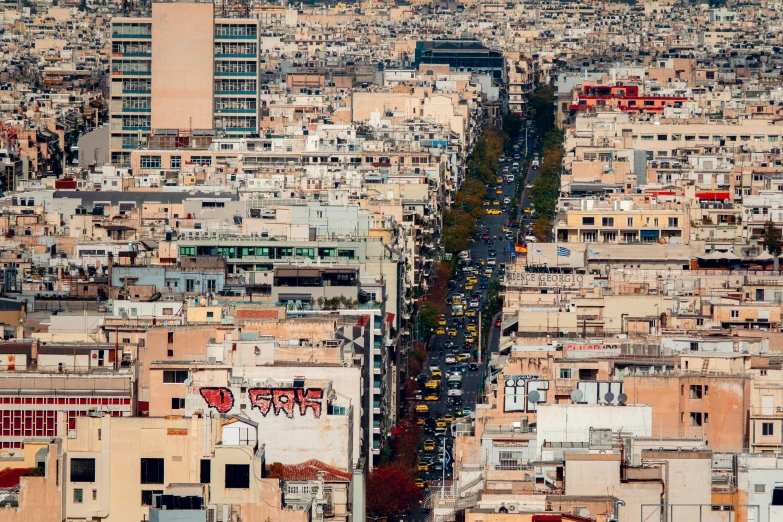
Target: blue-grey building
x,y
466,55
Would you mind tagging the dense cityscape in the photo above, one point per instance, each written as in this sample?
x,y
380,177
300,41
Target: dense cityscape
x,y
419,261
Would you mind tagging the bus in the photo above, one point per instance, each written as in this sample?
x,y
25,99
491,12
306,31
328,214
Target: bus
x,y
422,414
455,381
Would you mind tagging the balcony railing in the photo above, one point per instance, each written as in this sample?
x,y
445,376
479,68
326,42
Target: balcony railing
x,y
235,111
235,55
247,74
137,91
248,93
127,35
236,37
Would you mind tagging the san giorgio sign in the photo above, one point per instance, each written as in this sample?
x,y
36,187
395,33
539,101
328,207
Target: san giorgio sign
x,y
545,280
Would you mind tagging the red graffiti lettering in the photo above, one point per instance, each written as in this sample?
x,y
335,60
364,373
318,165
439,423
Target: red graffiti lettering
x,y
219,398
310,398
260,398
284,400
287,400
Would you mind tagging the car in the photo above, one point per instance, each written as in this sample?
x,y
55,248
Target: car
x,y
526,211
450,359
470,338
466,411
452,332
440,426
431,398
499,180
448,418
469,287
506,200
440,331
509,236
449,345
418,396
499,191
472,280
471,328
505,229
428,445
463,357
420,483
495,203
436,374
495,212
471,313
473,367
438,466
467,345
529,186
492,261
442,320
486,202
422,467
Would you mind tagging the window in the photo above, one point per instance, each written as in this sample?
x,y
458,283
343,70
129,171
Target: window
x,y
170,353
95,494
237,476
170,337
663,137
647,137
629,222
150,162
565,373
759,488
176,162
177,403
206,471
148,496
78,496
655,222
700,322
607,222
588,221
695,419
674,222
82,470
735,314
152,471
767,428
174,376
696,391
210,316
204,161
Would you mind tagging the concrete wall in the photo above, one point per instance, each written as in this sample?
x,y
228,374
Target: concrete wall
x,y
182,65
94,148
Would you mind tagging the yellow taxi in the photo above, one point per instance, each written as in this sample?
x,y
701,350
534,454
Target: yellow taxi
x,y
471,328
429,445
499,191
470,338
468,287
452,332
486,202
526,211
440,331
505,230
457,301
499,180
420,483
462,357
431,398
495,202
470,313
440,425
432,386
423,466
448,418
457,313
436,373
420,422
495,212
442,320
471,280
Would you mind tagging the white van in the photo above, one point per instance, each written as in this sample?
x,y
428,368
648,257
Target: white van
x,y
534,163
530,239
455,393
465,255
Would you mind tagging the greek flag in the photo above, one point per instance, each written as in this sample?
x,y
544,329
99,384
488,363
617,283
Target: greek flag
x,y
592,253
563,252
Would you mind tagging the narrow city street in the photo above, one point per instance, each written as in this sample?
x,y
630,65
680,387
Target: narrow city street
x,y
452,351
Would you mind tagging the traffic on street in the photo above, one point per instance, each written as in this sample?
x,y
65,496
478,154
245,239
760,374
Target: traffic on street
x,y
451,382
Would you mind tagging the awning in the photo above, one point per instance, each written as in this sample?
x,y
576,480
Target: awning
x,y
713,196
294,297
649,233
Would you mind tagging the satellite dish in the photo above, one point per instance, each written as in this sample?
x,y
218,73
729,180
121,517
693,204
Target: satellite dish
x,y
584,513
622,398
188,381
533,397
609,397
576,396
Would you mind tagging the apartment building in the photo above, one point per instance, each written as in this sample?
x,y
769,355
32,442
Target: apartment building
x,y
200,73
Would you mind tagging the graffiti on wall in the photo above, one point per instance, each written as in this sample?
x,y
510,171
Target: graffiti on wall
x,y
277,400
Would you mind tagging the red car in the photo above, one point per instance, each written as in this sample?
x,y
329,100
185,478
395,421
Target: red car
x,y
497,323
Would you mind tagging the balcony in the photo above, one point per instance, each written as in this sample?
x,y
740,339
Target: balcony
x,y
249,37
243,93
235,111
131,73
135,128
136,109
142,36
235,74
147,54
235,55
239,129
137,91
